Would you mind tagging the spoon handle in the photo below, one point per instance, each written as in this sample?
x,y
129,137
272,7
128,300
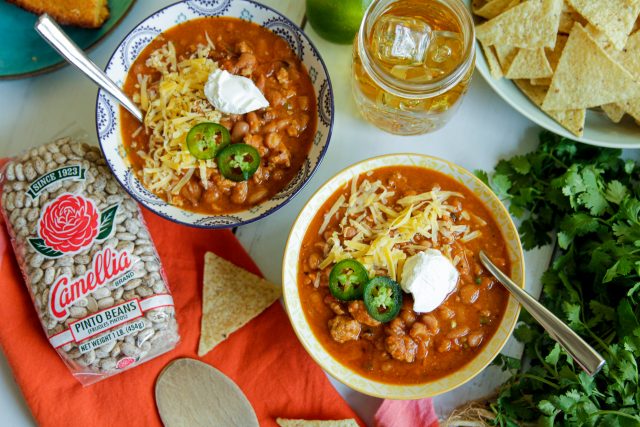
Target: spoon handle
x,y
585,355
53,34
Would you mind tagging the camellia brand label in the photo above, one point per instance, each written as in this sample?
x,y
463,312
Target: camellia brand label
x,y
105,320
107,265
69,172
119,332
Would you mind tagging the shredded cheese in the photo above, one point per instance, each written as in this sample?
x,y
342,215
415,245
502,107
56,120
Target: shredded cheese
x,y
172,106
385,231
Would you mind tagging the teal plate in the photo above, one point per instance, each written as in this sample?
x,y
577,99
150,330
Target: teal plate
x,y
23,53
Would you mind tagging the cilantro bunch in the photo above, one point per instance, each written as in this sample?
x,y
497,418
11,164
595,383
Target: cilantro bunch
x,y
587,197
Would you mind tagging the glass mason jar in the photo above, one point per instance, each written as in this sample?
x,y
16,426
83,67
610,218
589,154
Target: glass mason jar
x,y
412,63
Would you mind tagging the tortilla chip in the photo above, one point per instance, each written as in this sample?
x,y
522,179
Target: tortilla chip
x,y
600,38
541,82
567,19
495,8
614,111
505,55
629,57
492,61
572,120
477,4
553,56
529,25
587,76
632,108
615,18
231,297
283,422
529,64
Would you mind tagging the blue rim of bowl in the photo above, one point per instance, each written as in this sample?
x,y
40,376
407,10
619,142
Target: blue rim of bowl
x,y
275,208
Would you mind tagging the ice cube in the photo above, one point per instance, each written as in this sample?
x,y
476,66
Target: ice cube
x,y
445,50
401,40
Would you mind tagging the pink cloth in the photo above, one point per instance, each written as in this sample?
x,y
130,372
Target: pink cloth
x,y
406,413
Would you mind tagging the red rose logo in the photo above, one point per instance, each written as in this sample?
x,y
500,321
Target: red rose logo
x,y
69,223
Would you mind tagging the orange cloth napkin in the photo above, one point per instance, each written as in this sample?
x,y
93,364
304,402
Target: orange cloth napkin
x,y
264,357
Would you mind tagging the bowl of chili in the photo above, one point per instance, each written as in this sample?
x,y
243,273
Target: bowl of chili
x,y
343,282
190,162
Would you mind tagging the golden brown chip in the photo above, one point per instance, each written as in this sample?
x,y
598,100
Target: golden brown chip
x,y
529,64
566,20
477,4
600,38
553,55
631,107
495,8
492,61
614,111
283,422
231,297
572,120
505,55
629,57
615,18
586,76
529,25
542,82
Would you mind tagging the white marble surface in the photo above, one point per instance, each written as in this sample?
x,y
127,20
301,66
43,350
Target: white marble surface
x,y
484,130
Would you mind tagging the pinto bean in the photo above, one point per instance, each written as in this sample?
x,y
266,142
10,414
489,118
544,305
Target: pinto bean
x,y
239,192
239,130
431,322
458,332
475,339
469,293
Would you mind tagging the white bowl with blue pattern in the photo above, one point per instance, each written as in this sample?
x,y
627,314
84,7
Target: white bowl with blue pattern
x,y
108,111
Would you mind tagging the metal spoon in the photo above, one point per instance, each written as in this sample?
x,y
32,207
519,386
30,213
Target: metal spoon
x,y
53,34
585,355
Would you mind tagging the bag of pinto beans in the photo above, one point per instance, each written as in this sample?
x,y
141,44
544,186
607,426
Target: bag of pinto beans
x,y
88,260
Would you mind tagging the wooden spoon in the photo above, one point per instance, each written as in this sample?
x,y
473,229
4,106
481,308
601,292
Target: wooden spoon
x,y
192,393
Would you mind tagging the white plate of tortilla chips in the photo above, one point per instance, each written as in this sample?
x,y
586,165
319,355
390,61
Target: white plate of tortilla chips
x,y
571,66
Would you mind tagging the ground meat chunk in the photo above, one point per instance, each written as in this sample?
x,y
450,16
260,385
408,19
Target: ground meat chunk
x,y
401,348
344,328
359,312
334,304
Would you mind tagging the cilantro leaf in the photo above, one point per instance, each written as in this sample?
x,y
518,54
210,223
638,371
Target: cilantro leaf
x,y
592,197
482,176
524,333
501,185
553,356
616,192
521,164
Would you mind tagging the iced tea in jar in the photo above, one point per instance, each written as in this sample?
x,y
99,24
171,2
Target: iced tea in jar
x,y
412,63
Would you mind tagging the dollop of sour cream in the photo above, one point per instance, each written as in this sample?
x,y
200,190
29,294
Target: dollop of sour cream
x,y
430,277
233,94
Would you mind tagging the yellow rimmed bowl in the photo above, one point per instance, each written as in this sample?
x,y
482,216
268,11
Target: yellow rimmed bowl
x,y
299,321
